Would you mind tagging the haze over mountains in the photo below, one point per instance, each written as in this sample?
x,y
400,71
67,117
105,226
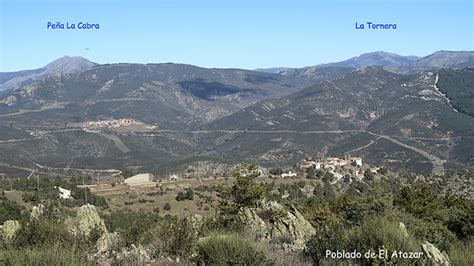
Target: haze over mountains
x,y
75,114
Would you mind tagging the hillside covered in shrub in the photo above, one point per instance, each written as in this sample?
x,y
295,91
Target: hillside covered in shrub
x,y
254,223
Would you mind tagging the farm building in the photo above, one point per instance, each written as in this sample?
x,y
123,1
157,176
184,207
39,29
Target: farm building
x,y
139,179
64,193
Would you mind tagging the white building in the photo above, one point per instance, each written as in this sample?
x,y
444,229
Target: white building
x,y
139,179
64,193
308,163
357,161
288,175
173,177
334,161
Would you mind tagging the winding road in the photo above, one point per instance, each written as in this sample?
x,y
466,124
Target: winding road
x,y
436,162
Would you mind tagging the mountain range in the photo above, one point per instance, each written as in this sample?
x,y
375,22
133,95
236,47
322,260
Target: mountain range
x,y
388,61
63,65
410,113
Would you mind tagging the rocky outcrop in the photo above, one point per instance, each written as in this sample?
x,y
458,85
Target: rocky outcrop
x,y
431,252
90,220
434,255
403,229
271,221
195,221
111,248
110,244
37,212
10,228
134,256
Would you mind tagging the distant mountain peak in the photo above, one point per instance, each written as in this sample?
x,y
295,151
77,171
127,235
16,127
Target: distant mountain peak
x,y
63,65
378,58
68,64
446,59
379,53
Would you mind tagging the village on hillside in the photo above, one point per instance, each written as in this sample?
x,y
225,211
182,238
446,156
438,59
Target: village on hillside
x,y
124,124
345,168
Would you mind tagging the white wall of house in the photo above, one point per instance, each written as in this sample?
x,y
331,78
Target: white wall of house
x,y
139,179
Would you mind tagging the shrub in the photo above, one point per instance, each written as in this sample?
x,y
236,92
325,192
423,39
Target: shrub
x,y
461,253
433,232
319,215
174,238
371,204
381,234
79,195
126,173
48,255
188,195
383,170
43,233
460,215
328,177
311,173
276,171
333,237
167,206
32,198
372,235
368,175
328,192
10,211
244,192
272,215
181,196
421,202
229,250
131,226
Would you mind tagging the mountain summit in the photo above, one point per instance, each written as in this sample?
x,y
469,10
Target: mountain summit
x,y
379,58
388,61
64,65
68,64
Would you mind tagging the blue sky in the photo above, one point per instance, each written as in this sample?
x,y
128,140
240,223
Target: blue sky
x,y
229,33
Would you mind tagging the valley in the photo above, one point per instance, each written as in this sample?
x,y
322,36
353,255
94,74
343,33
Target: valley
x,y
236,133
161,117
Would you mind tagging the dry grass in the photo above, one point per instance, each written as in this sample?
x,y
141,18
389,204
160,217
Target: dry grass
x,y
147,197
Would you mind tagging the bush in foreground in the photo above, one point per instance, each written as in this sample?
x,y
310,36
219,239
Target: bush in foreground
x,y
172,238
229,250
374,234
48,255
461,253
